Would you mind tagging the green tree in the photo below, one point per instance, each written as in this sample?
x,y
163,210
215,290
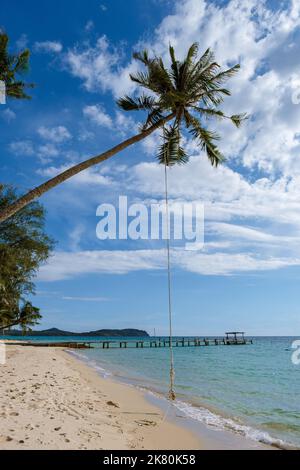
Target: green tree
x,y
24,316
12,69
23,247
181,97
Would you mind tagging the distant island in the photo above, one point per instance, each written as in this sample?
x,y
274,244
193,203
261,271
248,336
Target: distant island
x,y
131,332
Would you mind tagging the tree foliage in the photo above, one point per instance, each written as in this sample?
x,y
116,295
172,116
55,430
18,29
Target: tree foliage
x,y
23,247
192,90
12,69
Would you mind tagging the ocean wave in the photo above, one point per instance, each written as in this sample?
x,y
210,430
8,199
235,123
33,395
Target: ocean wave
x,y
220,423
103,372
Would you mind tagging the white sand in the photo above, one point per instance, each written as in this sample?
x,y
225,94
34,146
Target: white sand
x,y
50,400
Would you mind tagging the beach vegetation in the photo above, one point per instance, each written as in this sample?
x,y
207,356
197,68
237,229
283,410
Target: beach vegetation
x,y
13,67
24,246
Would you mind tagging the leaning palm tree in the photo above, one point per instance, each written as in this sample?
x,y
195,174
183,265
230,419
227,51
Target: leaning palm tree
x,y
25,316
12,68
182,96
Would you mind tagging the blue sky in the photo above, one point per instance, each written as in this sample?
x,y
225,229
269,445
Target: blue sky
x,y
247,275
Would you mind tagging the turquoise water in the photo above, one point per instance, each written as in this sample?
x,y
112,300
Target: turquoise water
x,y
253,390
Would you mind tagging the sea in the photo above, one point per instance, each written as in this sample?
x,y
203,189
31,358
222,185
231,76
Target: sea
x,y
252,390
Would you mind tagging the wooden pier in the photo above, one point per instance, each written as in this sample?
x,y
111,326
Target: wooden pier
x,y
151,342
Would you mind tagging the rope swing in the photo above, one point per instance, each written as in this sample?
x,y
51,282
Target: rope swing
x,y
171,394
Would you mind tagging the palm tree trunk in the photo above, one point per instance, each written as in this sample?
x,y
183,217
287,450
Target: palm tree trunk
x,y
74,170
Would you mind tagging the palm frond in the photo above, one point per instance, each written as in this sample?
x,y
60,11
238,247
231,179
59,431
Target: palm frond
x,y
214,96
3,42
22,62
141,79
153,118
206,139
17,90
142,57
163,76
203,63
209,112
238,119
143,102
192,52
186,67
170,152
174,65
225,75
205,59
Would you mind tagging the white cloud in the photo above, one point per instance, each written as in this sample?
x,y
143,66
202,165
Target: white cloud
x,y
48,46
27,148
99,67
252,204
22,42
22,147
67,265
259,38
196,180
8,115
120,122
97,114
91,176
76,236
89,25
261,217
248,32
242,31
240,235
241,232
85,135
231,263
46,152
53,138
225,194
124,123
55,134
86,299
265,195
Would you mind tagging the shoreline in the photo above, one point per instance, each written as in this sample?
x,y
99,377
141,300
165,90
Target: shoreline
x,y
211,437
52,400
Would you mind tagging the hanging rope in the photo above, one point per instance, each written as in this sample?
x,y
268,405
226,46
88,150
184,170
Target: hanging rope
x,y
172,395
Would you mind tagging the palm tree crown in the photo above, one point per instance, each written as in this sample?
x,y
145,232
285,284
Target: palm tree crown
x,y
12,66
191,90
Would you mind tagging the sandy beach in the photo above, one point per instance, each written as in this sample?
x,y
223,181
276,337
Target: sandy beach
x,y
50,400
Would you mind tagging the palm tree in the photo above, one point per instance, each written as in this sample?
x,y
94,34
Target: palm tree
x,y
26,316
12,68
182,96
29,316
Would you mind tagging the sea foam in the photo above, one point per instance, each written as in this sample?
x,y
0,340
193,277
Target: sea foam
x,y
221,423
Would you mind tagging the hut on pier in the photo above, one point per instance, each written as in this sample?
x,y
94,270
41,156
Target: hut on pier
x,y
235,337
